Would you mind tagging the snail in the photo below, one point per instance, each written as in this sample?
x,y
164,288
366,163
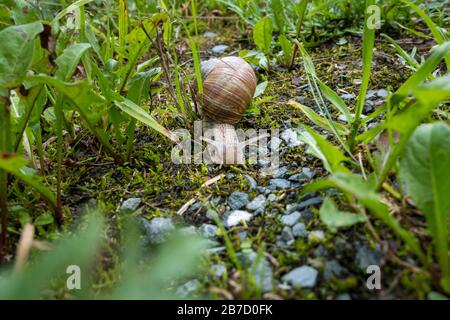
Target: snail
x,y
229,85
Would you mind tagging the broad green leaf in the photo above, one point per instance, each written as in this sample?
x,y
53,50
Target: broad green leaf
x,y
262,34
278,14
318,146
139,114
318,120
74,6
336,100
16,166
286,46
23,12
16,52
44,219
256,57
69,59
336,219
260,88
424,168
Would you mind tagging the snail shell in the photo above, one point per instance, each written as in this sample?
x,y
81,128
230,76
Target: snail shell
x,y
228,87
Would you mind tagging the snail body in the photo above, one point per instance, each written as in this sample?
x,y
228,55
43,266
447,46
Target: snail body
x,y
229,85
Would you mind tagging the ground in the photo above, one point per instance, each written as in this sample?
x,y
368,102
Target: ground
x,y
288,236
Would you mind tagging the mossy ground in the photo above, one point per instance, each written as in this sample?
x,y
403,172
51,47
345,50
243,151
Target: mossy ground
x,y
165,187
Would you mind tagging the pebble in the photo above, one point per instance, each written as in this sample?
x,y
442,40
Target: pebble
x,y
235,217
366,256
208,230
188,288
275,143
219,49
272,198
258,204
211,214
279,184
287,236
302,277
188,231
251,181
299,230
343,296
290,136
348,96
383,93
290,219
218,270
305,175
316,235
131,204
158,229
237,200
316,201
209,34
332,269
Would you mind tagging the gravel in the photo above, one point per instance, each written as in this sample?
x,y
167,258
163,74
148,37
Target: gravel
x,y
257,205
237,200
302,277
332,269
208,230
290,219
366,256
235,217
299,230
251,181
219,49
131,204
290,136
279,184
158,229
262,272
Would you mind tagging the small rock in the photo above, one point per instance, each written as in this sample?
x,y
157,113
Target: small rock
x,y
211,214
332,269
131,204
272,198
235,217
257,205
188,231
263,163
343,296
280,172
219,49
348,96
237,200
208,230
299,230
371,94
290,136
279,184
306,175
316,201
218,270
251,181
316,235
383,93
302,277
287,235
188,288
158,229
290,219
275,143
366,256
209,34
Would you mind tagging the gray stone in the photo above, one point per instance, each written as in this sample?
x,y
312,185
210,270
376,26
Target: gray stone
x,y
257,205
209,34
302,277
348,96
262,272
208,230
219,49
316,201
290,219
343,296
280,172
275,143
158,229
290,136
366,256
188,231
332,269
219,270
316,235
263,163
188,288
272,198
237,200
251,181
279,184
131,204
287,236
299,230
235,217
383,93
211,214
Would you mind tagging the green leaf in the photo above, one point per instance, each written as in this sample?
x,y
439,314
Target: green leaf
x,y
286,46
424,169
278,14
69,59
16,52
336,100
335,219
72,7
139,114
260,88
16,166
262,34
44,219
318,146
